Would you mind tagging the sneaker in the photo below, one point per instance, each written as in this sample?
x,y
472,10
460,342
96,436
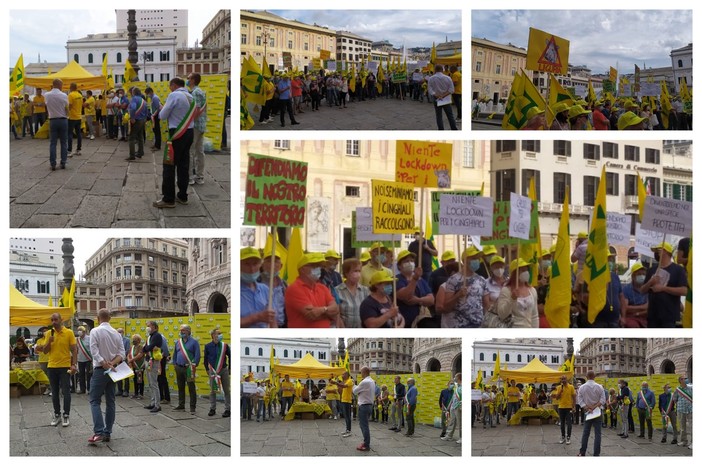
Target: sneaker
x,y
70,155
336,418
77,152
674,442
562,440
47,392
79,392
92,137
664,440
211,412
155,409
179,408
56,419
459,441
226,414
191,181
568,441
362,447
346,434
161,204
264,122
181,201
448,439
199,181
65,422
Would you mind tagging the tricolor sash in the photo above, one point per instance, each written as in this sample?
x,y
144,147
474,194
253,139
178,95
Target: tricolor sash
x,y
168,154
189,371
85,350
138,365
215,377
648,407
681,392
138,110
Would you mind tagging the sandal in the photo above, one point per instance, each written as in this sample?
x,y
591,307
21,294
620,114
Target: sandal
x,y
95,438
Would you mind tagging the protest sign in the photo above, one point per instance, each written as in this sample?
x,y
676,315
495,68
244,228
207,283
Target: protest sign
x,y
435,200
316,64
520,216
650,89
500,225
465,215
393,207
287,60
646,239
373,67
275,192
423,164
625,90
547,52
618,229
364,226
667,216
324,54
248,387
399,77
331,65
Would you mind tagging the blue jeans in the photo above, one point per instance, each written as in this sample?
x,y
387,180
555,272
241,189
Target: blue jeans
x,y
261,411
102,384
247,408
597,422
74,128
59,380
449,114
58,130
347,416
364,412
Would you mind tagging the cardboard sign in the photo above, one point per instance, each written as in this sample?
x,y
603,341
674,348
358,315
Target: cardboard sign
x,y
364,226
650,89
287,60
423,164
331,65
248,387
520,217
500,225
399,77
316,64
618,229
646,239
275,192
324,54
393,207
465,215
667,216
373,67
435,200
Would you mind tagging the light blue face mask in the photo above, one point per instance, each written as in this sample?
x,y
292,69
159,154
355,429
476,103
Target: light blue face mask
x,y
474,265
316,273
220,337
387,289
183,334
250,277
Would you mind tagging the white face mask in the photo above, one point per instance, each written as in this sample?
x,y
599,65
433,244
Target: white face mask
x,y
408,267
524,276
498,272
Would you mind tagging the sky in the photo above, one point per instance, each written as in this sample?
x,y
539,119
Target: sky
x,y
414,28
598,38
32,34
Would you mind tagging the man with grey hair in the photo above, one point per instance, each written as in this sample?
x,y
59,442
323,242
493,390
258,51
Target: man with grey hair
x,y
218,359
411,399
57,107
591,396
108,352
645,402
186,357
365,391
153,353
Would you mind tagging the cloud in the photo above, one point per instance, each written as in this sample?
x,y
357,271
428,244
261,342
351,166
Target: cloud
x,y
598,38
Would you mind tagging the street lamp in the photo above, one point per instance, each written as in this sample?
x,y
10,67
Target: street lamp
x,y
146,56
265,34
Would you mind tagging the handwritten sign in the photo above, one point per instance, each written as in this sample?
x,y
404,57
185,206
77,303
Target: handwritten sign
x,y
248,387
646,239
364,226
373,67
423,164
667,216
399,77
316,64
650,89
520,217
275,192
287,60
465,215
324,54
331,65
618,229
435,201
393,207
500,225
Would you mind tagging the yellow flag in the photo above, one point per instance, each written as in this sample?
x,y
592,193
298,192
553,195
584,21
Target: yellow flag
x,y
380,78
51,302
129,73
479,379
72,295
280,250
642,196
496,370
531,252
613,74
252,82
556,94
272,364
547,53
568,365
245,120
295,253
557,307
352,81
687,313
684,92
596,270
513,118
666,106
591,96
104,66
432,59
266,69
17,78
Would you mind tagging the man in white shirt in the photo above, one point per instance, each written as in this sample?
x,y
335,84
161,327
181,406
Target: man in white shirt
x,y
107,350
365,391
591,397
57,107
440,87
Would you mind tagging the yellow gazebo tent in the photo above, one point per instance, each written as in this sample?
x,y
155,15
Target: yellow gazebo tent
x,y
71,73
448,60
308,367
25,312
534,372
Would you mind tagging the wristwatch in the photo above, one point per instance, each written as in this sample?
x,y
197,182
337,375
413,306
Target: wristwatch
x,y
326,308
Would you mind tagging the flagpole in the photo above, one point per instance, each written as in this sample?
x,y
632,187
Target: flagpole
x,y
394,281
274,240
420,251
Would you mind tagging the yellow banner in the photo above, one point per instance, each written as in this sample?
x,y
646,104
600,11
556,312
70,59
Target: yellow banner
x,y
316,64
324,54
547,53
613,74
423,164
393,207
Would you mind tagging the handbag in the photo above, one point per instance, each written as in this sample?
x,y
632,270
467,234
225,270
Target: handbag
x,y
424,313
491,320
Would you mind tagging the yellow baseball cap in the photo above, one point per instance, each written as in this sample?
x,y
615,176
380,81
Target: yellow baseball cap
x,y
381,277
636,267
582,235
560,107
629,119
365,256
497,259
545,252
534,111
470,252
376,246
489,249
667,247
517,263
404,254
448,255
310,258
576,111
333,254
248,253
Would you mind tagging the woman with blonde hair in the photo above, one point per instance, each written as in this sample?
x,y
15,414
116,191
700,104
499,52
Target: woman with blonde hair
x,y
518,298
135,358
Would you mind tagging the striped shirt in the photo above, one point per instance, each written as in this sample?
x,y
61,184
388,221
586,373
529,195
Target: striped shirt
x,y
684,405
350,304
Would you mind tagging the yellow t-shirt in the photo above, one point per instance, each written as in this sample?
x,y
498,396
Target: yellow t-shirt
x,y
457,78
39,104
513,394
332,391
288,388
90,106
75,104
60,352
567,394
347,392
42,357
103,106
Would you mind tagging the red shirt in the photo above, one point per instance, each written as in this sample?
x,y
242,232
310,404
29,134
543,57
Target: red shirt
x,y
543,322
296,88
600,120
298,296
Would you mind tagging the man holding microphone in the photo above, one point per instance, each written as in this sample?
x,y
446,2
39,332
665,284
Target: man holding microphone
x,y
63,355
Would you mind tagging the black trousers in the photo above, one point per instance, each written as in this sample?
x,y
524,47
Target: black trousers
x,y
180,167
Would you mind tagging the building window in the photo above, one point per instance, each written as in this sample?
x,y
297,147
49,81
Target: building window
x,y
165,76
290,44
531,146
631,153
680,64
285,353
610,150
505,146
590,184
478,67
152,273
164,56
119,57
561,181
260,351
165,276
561,148
631,186
75,57
258,41
591,152
118,272
494,357
653,156
527,175
519,358
482,357
246,351
654,185
127,272
90,58
352,148
612,184
282,144
506,183
243,39
353,191
507,357
468,159
498,69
